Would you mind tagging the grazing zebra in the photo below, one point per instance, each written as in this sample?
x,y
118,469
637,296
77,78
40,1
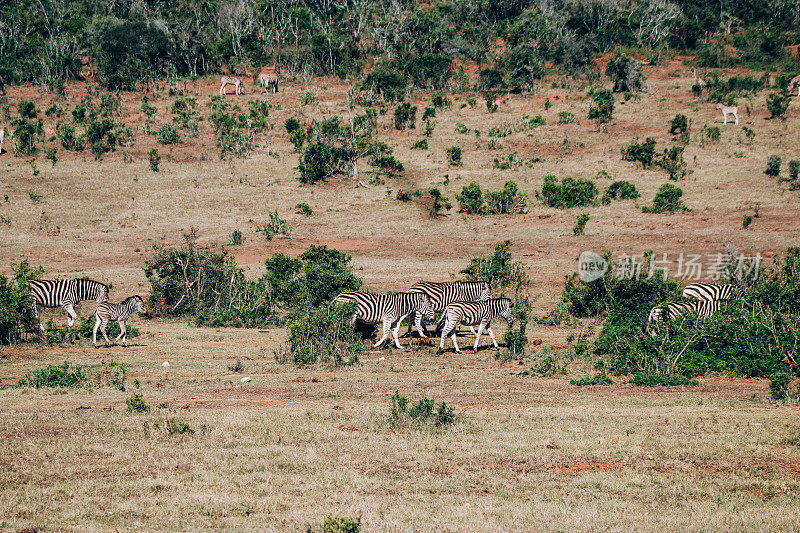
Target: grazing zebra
x,y
120,313
225,80
268,80
711,292
475,314
703,308
729,110
441,294
390,309
66,293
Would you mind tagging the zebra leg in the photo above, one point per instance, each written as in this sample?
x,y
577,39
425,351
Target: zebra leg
x,y
491,334
455,344
394,334
472,329
387,327
103,325
122,331
478,336
418,323
94,331
71,314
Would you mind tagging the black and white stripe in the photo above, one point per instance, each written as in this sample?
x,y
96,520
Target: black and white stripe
x,y
703,308
389,309
442,294
66,293
475,314
120,313
710,292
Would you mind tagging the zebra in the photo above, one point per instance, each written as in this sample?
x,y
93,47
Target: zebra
x,y
390,309
266,80
225,80
710,291
442,294
120,313
475,314
729,110
703,308
66,293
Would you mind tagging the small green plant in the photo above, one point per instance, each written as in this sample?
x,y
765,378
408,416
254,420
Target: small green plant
x,y
644,152
54,109
622,190
274,226
601,378
711,134
602,107
472,102
649,379
746,221
50,153
136,403
309,97
421,144
168,134
341,524
773,165
777,104
403,196
506,201
583,218
491,104
154,159
34,196
27,109
471,199
304,209
547,103
794,169
324,335
237,366
67,375
438,202
236,237
423,413
779,385
680,126
405,116
749,134
454,156
178,426
667,200
566,117
439,100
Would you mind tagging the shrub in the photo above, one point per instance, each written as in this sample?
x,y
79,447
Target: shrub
x,y
680,126
647,379
583,218
471,200
712,134
438,202
491,78
749,134
746,221
405,116
429,70
178,426
601,378
491,104
27,109
794,169
234,129
27,135
571,192
499,269
641,152
154,159
274,226
602,108
168,134
304,209
773,165
317,162
237,366
66,133
777,104
423,413
236,237
387,164
671,160
76,376
324,335
626,73
388,82
454,156
136,403
622,190
421,144
565,117
667,200
291,124
16,303
341,524
779,385
506,201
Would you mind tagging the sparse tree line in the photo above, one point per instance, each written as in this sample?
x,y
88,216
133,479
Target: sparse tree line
x,y
129,44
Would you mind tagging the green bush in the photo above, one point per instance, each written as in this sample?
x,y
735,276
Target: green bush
x,y
304,209
622,190
178,426
136,403
421,414
671,160
324,335
27,134
421,144
583,218
571,192
773,165
154,159
566,117
454,156
794,169
506,201
471,199
667,200
777,104
746,221
405,116
626,73
711,134
437,202
499,269
168,134
27,109
76,376
341,524
602,107
429,71
779,385
16,303
71,142
646,379
388,82
317,163
641,152
601,378
679,125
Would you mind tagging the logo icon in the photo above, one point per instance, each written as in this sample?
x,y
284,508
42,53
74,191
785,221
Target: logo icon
x,y
591,267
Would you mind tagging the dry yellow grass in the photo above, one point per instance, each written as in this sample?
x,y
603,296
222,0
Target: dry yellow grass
x,y
282,451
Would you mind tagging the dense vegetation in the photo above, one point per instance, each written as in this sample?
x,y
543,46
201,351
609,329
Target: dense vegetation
x,y
133,43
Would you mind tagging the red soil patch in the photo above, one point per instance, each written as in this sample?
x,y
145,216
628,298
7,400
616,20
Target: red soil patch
x,y
593,466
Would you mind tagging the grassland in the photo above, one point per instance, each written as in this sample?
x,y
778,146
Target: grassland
x,y
291,446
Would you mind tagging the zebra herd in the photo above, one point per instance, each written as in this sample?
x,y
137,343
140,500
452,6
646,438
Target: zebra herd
x,y
459,302
67,293
708,299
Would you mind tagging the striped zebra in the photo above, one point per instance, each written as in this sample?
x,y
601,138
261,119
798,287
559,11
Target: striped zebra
x,y
710,292
230,80
475,314
66,293
120,313
389,309
703,308
442,294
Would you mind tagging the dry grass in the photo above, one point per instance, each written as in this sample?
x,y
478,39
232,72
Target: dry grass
x,y
283,451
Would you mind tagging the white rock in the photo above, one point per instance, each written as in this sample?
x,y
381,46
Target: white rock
x,y
165,363
381,359
244,379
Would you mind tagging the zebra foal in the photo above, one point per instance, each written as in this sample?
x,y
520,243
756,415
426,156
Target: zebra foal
x,y
475,314
711,292
65,293
703,308
120,313
442,294
389,309
230,80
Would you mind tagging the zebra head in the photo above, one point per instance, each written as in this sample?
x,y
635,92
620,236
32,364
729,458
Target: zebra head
x,y
138,304
486,292
102,293
423,305
506,309
654,320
